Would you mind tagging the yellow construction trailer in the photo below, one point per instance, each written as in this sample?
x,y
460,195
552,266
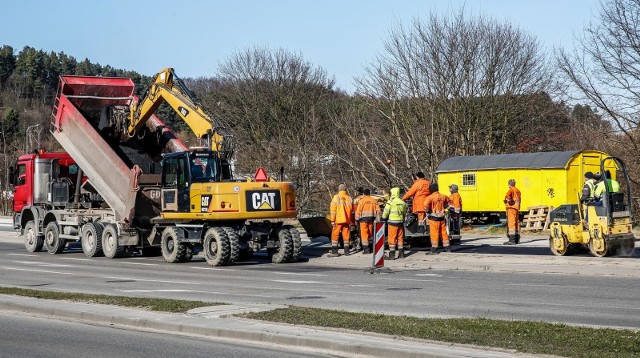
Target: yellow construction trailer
x,y
544,178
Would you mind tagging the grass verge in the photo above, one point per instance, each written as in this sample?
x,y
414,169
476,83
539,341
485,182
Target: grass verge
x,y
153,304
523,336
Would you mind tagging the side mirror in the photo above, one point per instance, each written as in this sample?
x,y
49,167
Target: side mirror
x,y
12,175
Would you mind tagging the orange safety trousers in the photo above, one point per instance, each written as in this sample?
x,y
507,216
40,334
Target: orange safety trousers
x,y
437,231
513,221
335,234
366,232
396,235
421,215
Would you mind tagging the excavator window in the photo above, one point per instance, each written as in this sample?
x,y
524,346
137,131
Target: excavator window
x,y
205,169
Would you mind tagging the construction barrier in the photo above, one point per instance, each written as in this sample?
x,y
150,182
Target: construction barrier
x,y
378,246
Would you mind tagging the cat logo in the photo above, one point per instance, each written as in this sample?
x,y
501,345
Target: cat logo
x,y
263,200
205,201
183,111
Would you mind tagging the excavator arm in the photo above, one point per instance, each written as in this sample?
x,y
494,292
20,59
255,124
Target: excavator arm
x,y
167,87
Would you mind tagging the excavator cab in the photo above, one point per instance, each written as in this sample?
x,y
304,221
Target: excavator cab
x,y
184,171
604,226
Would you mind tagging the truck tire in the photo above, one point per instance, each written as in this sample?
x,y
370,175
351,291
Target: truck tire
x,y
110,246
172,250
296,242
91,239
32,241
52,240
285,247
234,245
216,247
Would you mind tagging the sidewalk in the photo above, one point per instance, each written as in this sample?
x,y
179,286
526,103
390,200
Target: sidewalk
x,y
210,322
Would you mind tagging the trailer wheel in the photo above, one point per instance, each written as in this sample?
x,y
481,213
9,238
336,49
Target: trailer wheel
x,y
52,240
172,250
234,245
32,241
296,242
110,245
216,247
285,247
91,239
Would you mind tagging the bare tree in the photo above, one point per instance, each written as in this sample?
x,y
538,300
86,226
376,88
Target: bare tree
x,y
452,85
604,69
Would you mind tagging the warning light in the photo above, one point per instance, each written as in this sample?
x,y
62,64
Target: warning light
x,y
261,175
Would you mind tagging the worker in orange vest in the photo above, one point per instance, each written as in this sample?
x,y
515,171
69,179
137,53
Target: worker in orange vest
x,y
366,213
341,215
419,191
455,210
435,205
512,206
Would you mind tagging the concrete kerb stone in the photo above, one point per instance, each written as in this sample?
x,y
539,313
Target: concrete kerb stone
x,y
247,330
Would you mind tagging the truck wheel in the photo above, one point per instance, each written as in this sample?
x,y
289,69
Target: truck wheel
x,y
52,240
296,244
110,246
172,250
234,245
285,247
216,247
32,241
91,239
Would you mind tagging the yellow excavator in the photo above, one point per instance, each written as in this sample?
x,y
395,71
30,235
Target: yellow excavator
x,y
608,228
200,201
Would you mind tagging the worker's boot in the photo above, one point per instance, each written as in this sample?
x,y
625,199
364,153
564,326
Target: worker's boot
x,y
392,255
433,251
365,250
400,253
447,248
334,252
516,238
512,240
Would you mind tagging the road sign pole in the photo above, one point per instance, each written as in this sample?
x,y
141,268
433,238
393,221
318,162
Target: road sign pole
x,y
378,246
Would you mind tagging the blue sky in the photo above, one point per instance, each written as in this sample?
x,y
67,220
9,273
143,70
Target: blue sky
x,y
195,36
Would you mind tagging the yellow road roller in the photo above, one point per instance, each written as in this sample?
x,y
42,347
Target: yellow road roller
x,y
602,226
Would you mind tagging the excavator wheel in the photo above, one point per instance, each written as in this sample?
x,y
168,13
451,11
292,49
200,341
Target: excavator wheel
x,y
296,242
172,250
216,247
52,240
558,240
110,246
285,247
234,245
597,244
32,241
91,239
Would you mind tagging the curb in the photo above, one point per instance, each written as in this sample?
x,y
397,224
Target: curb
x,y
264,332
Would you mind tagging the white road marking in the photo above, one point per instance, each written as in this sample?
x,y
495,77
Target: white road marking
x,y
212,268
196,291
148,280
408,279
303,282
35,270
295,273
28,255
429,274
545,285
43,264
75,259
138,263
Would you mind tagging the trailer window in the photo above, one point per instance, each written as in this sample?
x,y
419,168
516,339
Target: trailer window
x,y
469,179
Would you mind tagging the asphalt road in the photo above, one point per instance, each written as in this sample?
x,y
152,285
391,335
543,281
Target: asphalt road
x,y
24,336
576,299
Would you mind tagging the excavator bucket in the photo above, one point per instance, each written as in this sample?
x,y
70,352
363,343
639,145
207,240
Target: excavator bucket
x,y
316,226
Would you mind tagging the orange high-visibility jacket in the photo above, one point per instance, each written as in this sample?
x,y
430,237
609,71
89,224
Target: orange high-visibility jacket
x,y
341,208
513,198
419,190
456,202
367,209
436,203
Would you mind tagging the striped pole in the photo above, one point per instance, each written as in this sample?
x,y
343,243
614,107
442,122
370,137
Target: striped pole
x,y
378,246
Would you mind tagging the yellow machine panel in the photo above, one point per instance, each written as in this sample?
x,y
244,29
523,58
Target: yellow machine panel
x,y
546,178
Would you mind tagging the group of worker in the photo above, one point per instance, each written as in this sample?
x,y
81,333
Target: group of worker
x,y
428,204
